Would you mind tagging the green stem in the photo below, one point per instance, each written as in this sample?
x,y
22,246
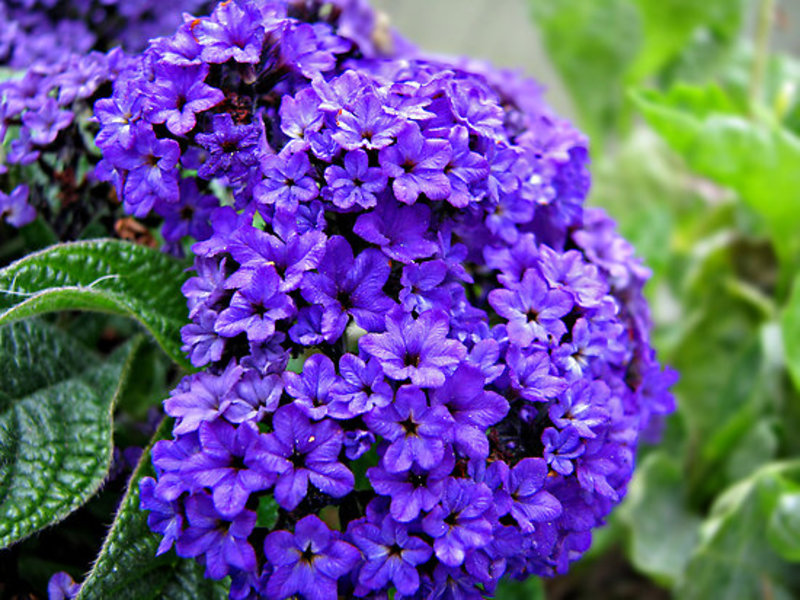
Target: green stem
x,y
766,12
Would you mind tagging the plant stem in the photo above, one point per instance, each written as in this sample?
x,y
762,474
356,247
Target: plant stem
x,y
766,12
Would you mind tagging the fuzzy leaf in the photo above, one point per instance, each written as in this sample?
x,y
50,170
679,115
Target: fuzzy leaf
x,y
56,404
127,567
109,276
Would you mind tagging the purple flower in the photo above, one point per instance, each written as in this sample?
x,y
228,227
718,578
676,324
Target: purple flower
x,y
204,398
14,207
400,231
152,174
582,407
531,375
390,555
458,523
414,490
299,451
561,447
254,397
62,587
418,433
232,32
464,169
360,388
308,563
416,349
256,306
521,492
344,285
228,464
178,95
417,165
232,149
165,515
292,257
533,310
300,116
311,388
46,121
356,183
472,408
365,124
287,181
222,540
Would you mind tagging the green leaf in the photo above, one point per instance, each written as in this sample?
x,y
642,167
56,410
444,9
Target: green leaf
x,y
661,531
757,160
669,25
127,567
100,275
790,327
783,530
734,559
592,44
56,404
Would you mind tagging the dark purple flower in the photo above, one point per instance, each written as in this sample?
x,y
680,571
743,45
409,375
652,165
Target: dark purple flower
x,y
582,407
292,256
223,541
464,168
165,516
178,95
414,490
520,492
391,555
344,285
300,116
533,310
228,464
287,181
62,587
418,433
356,183
46,121
360,388
400,231
14,207
256,306
458,523
232,32
561,447
308,563
416,349
472,408
532,376
152,174
299,451
311,388
255,396
204,398
417,165
232,149
365,124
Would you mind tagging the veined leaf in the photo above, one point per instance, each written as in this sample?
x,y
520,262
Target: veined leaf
x,y
127,567
100,275
56,404
734,559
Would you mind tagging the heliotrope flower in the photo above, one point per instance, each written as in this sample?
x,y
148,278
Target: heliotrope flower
x,y
414,337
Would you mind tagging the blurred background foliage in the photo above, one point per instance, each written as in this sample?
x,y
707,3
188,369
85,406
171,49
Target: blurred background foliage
x,y
693,110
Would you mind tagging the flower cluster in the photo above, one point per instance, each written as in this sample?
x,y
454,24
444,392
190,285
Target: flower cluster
x,y
45,31
425,365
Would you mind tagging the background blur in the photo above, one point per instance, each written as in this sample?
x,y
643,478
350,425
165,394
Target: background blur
x,y
693,112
